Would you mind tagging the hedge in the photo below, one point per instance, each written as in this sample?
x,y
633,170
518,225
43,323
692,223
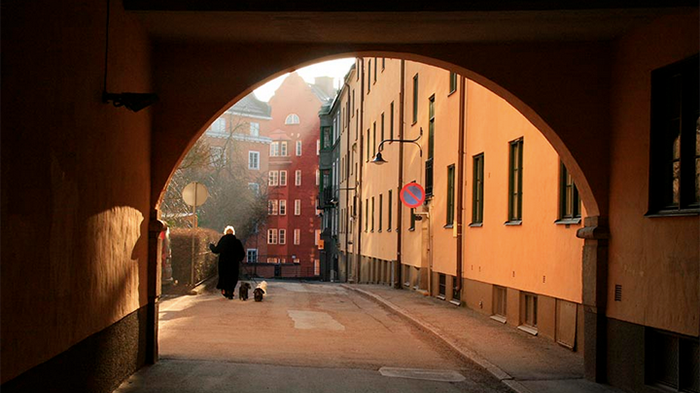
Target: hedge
x,y
181,249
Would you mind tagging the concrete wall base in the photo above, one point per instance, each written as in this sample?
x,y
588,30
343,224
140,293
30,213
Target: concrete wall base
x,y
97,364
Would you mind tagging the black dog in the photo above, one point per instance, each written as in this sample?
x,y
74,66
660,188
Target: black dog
x,y
258,294
243,291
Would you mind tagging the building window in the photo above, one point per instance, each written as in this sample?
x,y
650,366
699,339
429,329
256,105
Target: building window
x,y
297,207
390,210
374,139
672,361
415,99
391,120
298,148
283,149
297,236
326,138
366,215
283,178
274,149
499,302
450,216
674,184
283,236
529,310
368,145
292,118
317,237
219,126
254,129
383,63
318,146
431,147
456,289
569,202
515,183
283,207
375,70
478,190
272,207
372,227
271,260
453,82
217,156
369,75
442,284
252,255
272,236
273,178
253,160
381,208
412,220
318,177
254,188
382,129
297,177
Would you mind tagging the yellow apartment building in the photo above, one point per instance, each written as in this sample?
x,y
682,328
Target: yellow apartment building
x,y
512,253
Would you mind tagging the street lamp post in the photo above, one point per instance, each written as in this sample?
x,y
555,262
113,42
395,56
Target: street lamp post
x,y
381,161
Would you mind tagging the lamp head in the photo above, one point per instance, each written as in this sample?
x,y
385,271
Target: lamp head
x,y
378,159
132,101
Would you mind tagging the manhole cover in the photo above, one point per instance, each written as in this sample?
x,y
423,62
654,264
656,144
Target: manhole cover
x,y
418,373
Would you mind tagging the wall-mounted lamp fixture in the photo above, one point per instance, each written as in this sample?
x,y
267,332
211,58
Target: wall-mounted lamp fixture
x,y
378,158
132,101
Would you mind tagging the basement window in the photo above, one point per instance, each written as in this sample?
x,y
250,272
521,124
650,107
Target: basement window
x,y
456,293
528,313
442,286
672,361
499,304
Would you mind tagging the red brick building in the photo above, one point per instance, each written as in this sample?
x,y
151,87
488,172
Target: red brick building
x,y
292,230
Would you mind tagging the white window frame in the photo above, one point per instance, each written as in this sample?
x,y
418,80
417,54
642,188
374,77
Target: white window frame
x,y
254,252
219,125
283,149
318,177
272,236
292,118
272,207
297,177
297,237
282,207
253,163
254,128
272,179
318,146
283,178
274,149
282,237
297,207
298,148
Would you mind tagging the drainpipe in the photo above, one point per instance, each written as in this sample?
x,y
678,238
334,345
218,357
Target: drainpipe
x,y
358,193
398,270
460,178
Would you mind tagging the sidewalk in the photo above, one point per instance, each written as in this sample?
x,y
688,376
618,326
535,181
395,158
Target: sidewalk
x,y
525,363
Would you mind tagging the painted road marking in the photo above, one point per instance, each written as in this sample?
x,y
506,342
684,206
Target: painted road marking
x,y
314,320
424,374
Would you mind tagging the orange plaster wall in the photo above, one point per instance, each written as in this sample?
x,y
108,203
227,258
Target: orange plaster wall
x,y
75,178
517,256
379,179
656,260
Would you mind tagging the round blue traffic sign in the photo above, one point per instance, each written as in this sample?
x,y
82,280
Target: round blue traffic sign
x,y
412,195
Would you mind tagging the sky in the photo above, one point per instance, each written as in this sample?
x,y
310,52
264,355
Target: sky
x,y
335,68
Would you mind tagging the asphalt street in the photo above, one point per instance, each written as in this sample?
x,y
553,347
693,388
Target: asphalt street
x,y
304,337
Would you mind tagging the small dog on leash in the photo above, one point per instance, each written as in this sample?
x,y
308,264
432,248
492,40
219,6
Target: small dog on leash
x,y
243,291
259,291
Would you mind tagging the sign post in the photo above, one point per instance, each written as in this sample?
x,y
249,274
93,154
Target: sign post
x,y
194,194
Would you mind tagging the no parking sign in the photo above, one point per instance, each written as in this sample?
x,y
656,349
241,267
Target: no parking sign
x,y
412,195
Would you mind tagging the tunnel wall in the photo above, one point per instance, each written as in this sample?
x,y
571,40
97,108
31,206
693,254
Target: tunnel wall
x,y
75,196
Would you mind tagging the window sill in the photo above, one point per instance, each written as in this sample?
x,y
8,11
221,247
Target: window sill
x,y
452,92
513,223
456,302
388,230
411,229
528,329
441,297
498,318
476,225
448,226
568,221
673,213
379,231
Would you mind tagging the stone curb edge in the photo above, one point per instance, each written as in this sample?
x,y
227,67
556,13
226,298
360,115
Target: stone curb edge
x,y
496,371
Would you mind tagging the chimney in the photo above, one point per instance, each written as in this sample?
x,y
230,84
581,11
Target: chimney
x,y
326,84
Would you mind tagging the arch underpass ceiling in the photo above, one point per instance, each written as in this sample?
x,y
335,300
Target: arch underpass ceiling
x,y
400,23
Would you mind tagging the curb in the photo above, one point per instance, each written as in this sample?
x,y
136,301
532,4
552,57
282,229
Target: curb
x,y
466,353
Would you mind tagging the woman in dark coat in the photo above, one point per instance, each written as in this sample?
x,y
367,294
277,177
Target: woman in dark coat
x,y
231,253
